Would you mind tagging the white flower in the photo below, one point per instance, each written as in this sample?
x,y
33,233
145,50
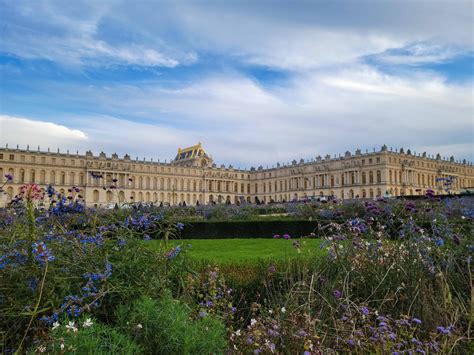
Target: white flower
x,y
237,332
270,311
139,326
41,349
55,325
71,326
253,321
87,323
463,217
62,346
283,309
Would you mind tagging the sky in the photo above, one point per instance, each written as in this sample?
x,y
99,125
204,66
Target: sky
x,y
257,82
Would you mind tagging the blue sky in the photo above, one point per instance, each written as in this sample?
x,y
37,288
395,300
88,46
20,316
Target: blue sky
x,y
256,82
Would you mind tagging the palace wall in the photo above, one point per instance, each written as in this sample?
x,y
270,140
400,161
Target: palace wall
x,y
359,175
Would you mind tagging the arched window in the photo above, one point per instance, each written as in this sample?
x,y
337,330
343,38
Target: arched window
x,y
52,178
63,178
371,193
332,180
364,178
32,175
364,193
109,196
379,177
95,195
22,175
371,177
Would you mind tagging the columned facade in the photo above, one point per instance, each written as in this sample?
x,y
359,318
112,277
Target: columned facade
x,y
193,178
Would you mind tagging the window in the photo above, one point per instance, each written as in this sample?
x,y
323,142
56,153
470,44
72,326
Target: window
x,y
12,157
1,156
370,161
378,160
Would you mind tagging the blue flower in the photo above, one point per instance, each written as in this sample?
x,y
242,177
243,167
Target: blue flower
x,y
180,226
173,253
42,254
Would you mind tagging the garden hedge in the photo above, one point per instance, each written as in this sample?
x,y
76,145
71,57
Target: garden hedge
x,y
246,229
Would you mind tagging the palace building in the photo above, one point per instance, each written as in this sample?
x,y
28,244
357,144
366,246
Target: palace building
x,y
192,177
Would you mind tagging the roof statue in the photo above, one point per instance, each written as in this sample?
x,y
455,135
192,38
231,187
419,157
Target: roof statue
x,y
192,156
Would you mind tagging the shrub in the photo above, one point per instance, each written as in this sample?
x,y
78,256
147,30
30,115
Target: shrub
x,y
166,327
86,336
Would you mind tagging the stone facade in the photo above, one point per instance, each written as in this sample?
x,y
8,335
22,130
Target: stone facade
x,y
193,177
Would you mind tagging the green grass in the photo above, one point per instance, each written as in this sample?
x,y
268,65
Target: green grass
x,y
222,251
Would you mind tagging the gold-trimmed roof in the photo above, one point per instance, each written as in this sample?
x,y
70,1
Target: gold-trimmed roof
x,y
195,151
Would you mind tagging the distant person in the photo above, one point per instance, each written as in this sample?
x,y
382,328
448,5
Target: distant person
x,y
184,204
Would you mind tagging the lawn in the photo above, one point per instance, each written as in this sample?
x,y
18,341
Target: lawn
x,y
224,251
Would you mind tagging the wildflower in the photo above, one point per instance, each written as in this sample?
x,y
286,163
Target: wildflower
x,y
276,236
445,330
350,342
202,314
87,323
237,332
9,177
31,192
139,326
180,226
283,310
41,349
146,237
253,321
439,242
71,326
286,236
42,254
173,253
337,294
272,269
416,320
365,311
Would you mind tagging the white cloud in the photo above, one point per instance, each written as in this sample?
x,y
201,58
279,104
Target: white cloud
x,y
24,131
244,123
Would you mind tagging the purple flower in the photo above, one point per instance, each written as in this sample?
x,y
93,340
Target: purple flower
x,y
337,294
272,269
276,236
146,237
286,236
365,311
9,177
350,342
416,320
445,330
